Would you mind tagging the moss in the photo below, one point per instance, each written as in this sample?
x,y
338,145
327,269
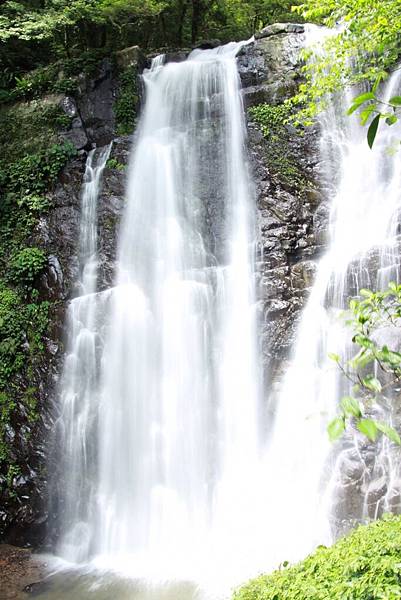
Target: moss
x,y
59,77
31,159
365,565
125,107
282,156
113,163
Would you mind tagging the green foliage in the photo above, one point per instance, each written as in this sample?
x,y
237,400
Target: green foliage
x,y
365,49
281,155
24,184
371,106
27,264
32,32
365,565
126,102
270,117
35,173
22,327
113,163
374,371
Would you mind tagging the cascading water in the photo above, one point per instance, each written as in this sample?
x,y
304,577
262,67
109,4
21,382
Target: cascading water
x,y
161,414
79,379
321,486
164,446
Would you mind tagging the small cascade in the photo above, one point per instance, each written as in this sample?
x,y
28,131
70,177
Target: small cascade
x,y
320,486
80,373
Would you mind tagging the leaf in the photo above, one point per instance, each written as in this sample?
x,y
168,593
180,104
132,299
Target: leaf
x,y
359,100
367,112
363,98
378,81
368,428
334,357
391,120
336,428
351,407
389,432
363,340
395,101
372,383
372,131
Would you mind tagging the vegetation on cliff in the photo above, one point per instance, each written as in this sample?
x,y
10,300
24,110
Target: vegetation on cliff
x,y
36,33
365,565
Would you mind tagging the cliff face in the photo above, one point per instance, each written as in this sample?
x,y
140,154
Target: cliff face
x,y
292,217
290,233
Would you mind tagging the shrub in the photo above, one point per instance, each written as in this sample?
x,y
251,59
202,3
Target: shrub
x,y
27,264
365,565
126,103
34,173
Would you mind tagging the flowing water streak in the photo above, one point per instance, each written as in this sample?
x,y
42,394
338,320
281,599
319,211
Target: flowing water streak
x,y
78,384
312,503
178,406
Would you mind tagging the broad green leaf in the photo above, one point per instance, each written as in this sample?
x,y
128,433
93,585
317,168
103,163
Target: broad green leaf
x,y
389,432
372,383
336,428
372,131
395,101
363,98
334,357
351,407
359,100
368,428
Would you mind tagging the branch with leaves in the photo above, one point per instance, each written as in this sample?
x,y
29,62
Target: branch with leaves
x,y
374,372
370,105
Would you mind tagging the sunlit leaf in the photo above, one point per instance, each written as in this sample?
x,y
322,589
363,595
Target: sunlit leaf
x,y
389,432
336,428
395,101
372,383
351,407
368,428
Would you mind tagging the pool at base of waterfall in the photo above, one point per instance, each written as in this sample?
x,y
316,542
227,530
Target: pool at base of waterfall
x,y
83,584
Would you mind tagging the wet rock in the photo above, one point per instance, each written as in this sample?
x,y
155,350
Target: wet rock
x,y
130,57
278,28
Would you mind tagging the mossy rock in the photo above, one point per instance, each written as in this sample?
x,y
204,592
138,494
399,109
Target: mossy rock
x,y
365,565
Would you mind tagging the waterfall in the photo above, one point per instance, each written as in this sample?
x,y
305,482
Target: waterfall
x,y
323,487
162,452
168,475
79,378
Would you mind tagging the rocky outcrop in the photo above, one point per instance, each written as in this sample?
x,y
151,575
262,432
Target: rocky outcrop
x,y
292,217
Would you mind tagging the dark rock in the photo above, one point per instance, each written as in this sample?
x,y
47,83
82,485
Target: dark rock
x,y
207,44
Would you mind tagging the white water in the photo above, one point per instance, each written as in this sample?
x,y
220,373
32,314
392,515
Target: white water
x,y
167,439
165,475
316,494
79,380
